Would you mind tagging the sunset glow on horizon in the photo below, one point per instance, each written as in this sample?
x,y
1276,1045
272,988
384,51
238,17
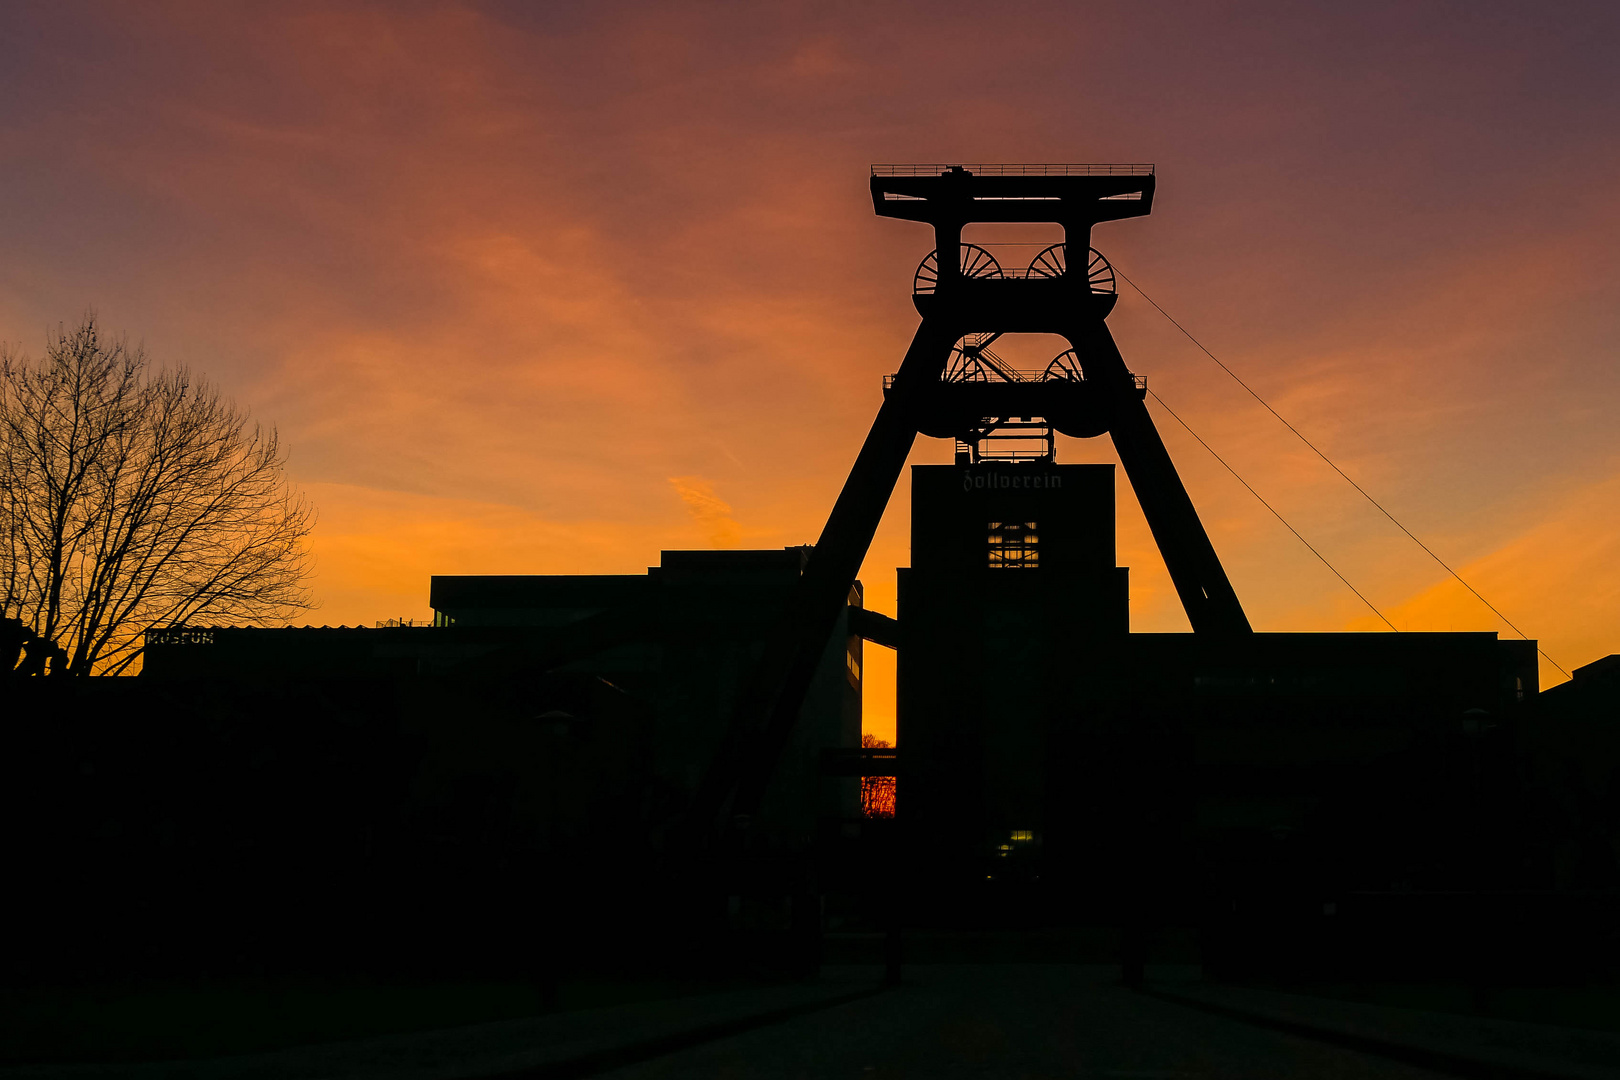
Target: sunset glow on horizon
x,y
546,289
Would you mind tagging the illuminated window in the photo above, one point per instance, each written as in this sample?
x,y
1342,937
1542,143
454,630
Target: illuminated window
x,y
1023,836
1014,545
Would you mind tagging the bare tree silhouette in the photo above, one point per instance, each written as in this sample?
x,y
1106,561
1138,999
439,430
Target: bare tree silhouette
x,y
132,498
877,792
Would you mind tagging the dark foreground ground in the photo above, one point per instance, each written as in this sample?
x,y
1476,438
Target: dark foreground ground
x,y
1014,1021
1020,1021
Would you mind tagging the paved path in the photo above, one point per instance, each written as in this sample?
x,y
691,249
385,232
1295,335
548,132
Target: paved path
x,y
1019,1022
1472,1045
562,1044
990,1021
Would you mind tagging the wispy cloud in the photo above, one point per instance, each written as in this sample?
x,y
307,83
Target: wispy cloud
x,y
1556,580
499,272
710,511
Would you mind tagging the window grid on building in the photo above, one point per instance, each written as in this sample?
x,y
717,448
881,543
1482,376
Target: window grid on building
x,y
1014,545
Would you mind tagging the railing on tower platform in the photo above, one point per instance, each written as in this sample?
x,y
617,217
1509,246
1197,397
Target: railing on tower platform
x,y
1025,169
1139,381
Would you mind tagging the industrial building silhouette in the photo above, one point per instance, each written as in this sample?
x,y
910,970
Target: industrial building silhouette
x,y
1053,768
677,755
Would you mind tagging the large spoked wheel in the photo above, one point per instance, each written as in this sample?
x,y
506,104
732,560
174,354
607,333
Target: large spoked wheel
x,y
976,263
1050,263
1053,262
1100,274
1065,366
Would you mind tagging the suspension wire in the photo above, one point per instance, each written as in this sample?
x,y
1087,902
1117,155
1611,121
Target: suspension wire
x,y
1273,510
1379,506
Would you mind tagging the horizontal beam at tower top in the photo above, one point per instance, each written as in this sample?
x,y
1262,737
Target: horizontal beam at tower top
x,y
982,169
1080,195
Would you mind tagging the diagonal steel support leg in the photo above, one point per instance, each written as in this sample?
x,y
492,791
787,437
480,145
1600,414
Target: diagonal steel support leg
x,y
1207,595
770,703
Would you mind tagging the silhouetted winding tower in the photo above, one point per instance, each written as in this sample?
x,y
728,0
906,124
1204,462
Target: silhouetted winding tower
x,y
948,387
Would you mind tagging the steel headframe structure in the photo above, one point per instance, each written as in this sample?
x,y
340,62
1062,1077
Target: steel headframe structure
x,y
966,299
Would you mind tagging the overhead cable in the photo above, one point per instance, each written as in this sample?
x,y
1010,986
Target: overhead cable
x,y
1363,491
1273,510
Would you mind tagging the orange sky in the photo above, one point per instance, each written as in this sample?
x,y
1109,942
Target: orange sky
x,y
546,288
